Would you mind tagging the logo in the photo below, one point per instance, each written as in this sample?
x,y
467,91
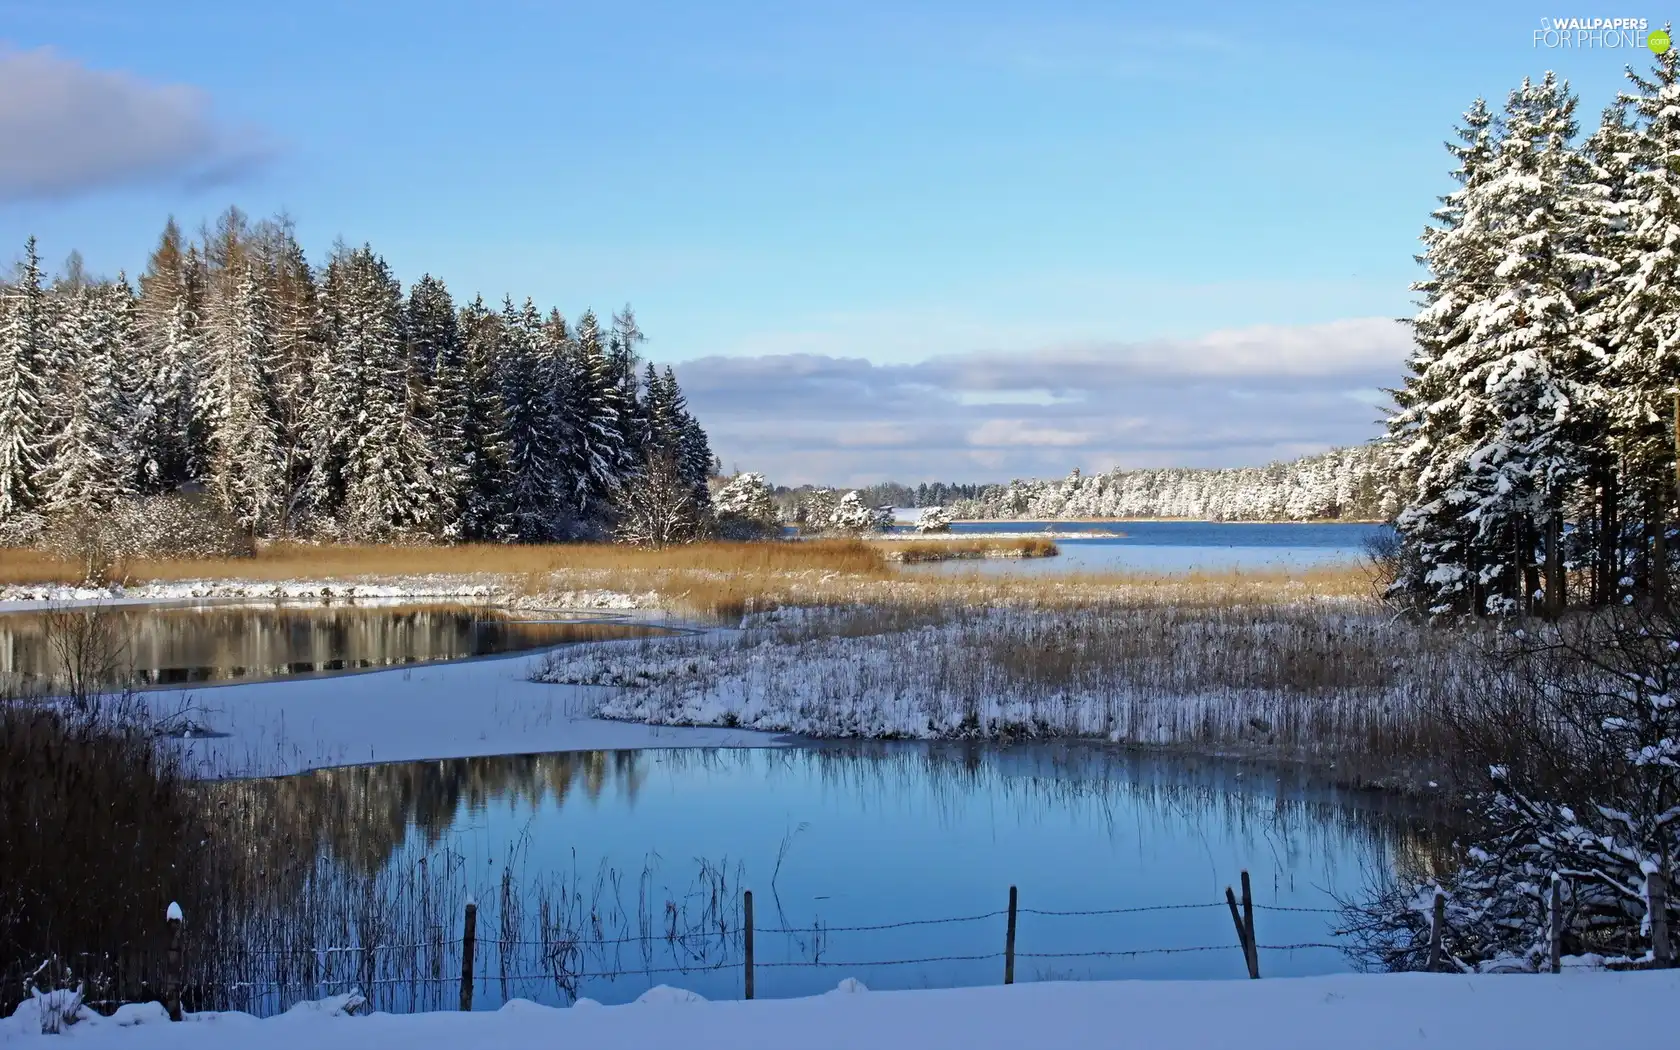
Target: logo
x,y
1601,34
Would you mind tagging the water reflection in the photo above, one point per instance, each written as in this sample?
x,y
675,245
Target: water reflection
x,y
602,856
148,646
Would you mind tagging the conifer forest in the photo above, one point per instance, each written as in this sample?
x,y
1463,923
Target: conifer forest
x,y
323,401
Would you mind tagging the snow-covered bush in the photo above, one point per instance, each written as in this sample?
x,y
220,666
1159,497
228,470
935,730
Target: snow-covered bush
x,y
933,519
172,526
855,516
1571,748
744,508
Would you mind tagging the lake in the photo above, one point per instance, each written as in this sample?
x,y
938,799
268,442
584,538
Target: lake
x,y
624,865
155,645
1172,546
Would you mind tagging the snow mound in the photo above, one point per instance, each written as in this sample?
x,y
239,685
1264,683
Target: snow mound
x,y
664,993
849,986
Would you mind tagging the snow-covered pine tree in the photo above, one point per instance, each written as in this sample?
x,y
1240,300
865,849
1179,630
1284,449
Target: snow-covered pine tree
x,y
1644,367
173,446
438,358
1596,539
390,489
23,357
297,336
236,402
533,456
1432,429
331,416
482,500
1532,376
91,462
694,450
601,457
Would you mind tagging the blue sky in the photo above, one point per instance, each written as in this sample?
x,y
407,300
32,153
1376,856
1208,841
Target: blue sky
x,y
808,202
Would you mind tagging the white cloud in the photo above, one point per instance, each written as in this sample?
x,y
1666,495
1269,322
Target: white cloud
x,y
68,129
1227,398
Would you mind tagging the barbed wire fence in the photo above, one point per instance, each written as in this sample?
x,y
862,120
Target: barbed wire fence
x,y
451,969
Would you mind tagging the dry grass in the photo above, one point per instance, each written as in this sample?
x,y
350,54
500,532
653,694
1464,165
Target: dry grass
x,y
931,550
726,579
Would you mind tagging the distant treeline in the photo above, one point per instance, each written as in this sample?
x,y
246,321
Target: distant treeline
x,y
1342,484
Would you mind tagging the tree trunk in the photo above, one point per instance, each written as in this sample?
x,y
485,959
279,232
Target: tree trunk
x,y
1557,586
1528,568
1608,571
1659,545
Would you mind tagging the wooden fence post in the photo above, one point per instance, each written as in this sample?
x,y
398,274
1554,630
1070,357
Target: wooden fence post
x,y
747,929
1009,943
1248,926
1437,919
469,941
1236,920
172,964
1556,939
1657,891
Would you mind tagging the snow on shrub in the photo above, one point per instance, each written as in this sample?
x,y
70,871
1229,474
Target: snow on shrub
x,y
933,519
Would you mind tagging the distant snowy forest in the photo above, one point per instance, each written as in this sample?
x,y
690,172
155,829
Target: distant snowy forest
x,y
1342,484
323,402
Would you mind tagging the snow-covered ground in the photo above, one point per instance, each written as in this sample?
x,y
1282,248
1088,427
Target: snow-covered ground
x,y
1367,1012
23,598
979,675
451,710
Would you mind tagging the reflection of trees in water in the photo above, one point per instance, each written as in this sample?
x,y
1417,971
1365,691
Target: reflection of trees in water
x,y
177,645
360,856
362,815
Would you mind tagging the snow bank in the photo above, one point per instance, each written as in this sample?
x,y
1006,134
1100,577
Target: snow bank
x,y
21,598
1368,1012
424,711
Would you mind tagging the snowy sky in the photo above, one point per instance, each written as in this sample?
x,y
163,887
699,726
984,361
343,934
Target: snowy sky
x,y
879,238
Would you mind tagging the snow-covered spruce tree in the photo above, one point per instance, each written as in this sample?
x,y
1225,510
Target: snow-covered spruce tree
x,y
92,454
1530,383
933,519
534,464
236,405
657,507
1595,540
744,508
390,489
1644,367
1431,429
693,449
174,448
437,361
23,391
600,458
298,328
482,499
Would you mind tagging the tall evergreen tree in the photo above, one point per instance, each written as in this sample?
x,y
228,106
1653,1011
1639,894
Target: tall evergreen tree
x,y
93,450
389,486
1644,367
236,403
1432,429
483,497
23,390
437,361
